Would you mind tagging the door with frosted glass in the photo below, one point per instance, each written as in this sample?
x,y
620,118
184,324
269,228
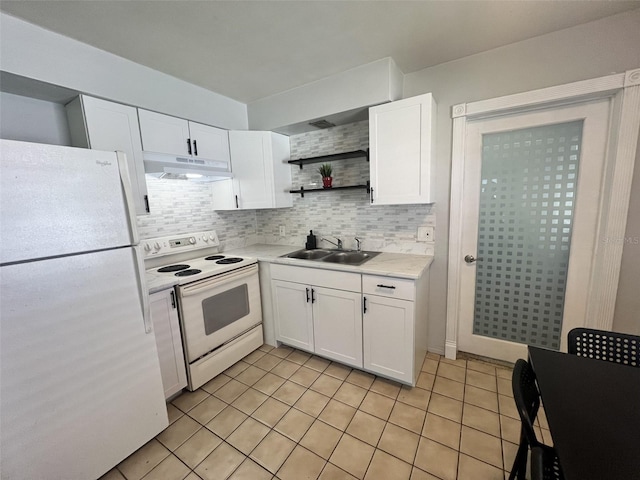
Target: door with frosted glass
x,y
531,201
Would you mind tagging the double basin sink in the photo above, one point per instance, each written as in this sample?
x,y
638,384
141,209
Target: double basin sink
x,y
346,257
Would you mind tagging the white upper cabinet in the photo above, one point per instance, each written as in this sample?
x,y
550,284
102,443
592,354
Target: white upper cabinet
x,y
102,125
262,176
175,136
401,141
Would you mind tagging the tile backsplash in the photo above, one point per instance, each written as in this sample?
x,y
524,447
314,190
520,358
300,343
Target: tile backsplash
x,y
179,206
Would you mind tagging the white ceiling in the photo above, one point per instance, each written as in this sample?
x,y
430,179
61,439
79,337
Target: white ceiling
x,y
249,50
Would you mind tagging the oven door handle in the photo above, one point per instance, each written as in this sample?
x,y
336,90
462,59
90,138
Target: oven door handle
x,y
203,285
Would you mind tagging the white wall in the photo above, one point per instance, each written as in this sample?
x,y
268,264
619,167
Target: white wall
x,y
586,51
30,120
34,52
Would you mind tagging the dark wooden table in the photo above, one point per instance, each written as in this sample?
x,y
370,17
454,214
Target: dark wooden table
x,y
593,410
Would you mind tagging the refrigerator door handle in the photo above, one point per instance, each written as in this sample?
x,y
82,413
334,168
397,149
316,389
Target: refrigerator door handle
x,y
142,289
128,197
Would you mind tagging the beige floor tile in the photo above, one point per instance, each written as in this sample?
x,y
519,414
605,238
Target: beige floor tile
x,y
282,351
250,470
437,459
299,357
484,420
385,467
248,435
430,366
266,347
508,407
321,439
174,413
230,391
445,407
452,372
215,383
482,446
187,400
168,469
220,463
432,355
482,380
178,432
338,370
337,414
205,411
270,412
541,417
305,376
317,363
460,362
510,429
285,369
449,388
442,430
385,387
269,383
268,362
301,464
294,424
416,397
249,401
226,421
366,427
377,405
352,455
481,398
509,451
312,403
426,380
254,356
289,392
546,437
417,474
143,460
331,472
362,379
350,394
471,469
504,372
112,474
479,366
408,417
326,385
251,375
504,387
236,369
192,476
272,451
399,442
198,447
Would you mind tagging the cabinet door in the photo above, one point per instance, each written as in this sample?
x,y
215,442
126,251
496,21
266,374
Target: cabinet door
x,y
401,137
164,316
209,143
164,134
388,337
112,126
337,325
293,314
250,154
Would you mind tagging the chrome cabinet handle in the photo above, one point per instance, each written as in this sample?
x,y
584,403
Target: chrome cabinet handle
x,y
471,259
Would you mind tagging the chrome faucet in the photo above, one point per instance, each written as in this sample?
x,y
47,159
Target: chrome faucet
x,y
339,244
358,240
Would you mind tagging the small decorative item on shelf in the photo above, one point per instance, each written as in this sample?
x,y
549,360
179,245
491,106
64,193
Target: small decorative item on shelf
x,y
325,170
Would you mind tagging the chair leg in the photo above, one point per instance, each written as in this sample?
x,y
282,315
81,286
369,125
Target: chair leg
x,y
519,468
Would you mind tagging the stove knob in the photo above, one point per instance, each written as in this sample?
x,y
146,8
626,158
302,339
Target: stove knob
x,y
156,246
205,238
192,240
212,238
147,247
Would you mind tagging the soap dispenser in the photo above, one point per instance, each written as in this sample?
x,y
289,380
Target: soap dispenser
x,y
311,241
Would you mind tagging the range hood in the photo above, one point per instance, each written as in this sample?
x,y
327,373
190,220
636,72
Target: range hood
x,y
166,166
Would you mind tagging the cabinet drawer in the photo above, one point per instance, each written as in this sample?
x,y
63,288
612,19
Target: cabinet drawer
x,y
388,287
317,276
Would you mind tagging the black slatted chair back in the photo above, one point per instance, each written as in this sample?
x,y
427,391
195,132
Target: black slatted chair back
x,y
602,345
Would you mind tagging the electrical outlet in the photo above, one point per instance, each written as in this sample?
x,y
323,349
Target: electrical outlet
x,y
283,231
425,234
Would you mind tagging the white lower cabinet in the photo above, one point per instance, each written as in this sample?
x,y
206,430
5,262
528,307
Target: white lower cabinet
x,y
166,325
294,317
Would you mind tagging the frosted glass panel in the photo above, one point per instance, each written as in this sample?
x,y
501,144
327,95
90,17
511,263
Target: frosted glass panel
x,y
527,200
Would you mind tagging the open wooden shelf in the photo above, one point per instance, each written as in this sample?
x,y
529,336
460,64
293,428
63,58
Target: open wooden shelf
x,y
330,158
303,190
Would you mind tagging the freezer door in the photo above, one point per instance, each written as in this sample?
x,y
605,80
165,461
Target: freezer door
x,y
60,200
80,382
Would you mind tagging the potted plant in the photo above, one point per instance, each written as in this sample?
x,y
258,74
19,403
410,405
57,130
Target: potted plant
x,y
325,170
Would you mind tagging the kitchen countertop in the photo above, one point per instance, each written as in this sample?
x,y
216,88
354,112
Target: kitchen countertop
x,y
399,265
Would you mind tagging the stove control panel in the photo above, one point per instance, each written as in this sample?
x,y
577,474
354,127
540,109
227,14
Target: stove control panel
x,y
158,247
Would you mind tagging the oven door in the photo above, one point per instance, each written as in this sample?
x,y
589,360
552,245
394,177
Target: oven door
x,y
217,309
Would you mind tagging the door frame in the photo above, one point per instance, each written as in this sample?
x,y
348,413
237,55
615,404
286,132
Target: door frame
x,y
624,91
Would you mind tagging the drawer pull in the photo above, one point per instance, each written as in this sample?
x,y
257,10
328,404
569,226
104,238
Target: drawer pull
x,y
386,286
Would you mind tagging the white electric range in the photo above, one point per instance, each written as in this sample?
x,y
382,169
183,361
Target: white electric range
x,y
218,301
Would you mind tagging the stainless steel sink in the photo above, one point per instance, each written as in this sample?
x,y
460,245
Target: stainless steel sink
x,y
346,257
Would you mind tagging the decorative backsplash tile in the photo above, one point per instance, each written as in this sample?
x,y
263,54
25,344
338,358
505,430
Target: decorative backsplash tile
x,y
179,206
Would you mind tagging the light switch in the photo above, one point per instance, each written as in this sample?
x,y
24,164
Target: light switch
x,y
282,231
425,233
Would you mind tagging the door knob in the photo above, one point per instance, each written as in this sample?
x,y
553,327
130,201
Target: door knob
x,y
470,259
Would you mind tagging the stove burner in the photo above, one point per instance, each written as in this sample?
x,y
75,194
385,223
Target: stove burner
x,y
172,268
214,257
186,273
229,260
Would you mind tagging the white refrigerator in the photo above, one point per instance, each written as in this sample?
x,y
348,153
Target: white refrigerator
x,y
80,383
